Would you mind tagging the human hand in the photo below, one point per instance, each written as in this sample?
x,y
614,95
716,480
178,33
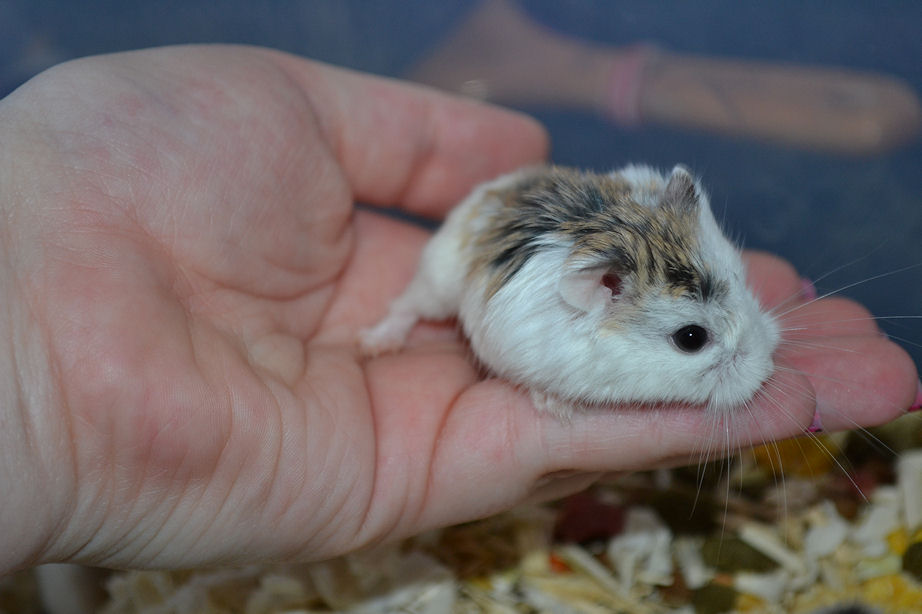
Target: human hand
x,y
184,275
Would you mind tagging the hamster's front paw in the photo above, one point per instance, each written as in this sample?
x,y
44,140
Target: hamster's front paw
x,y
552,404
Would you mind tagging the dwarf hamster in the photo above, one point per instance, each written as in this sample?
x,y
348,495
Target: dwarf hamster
x,y
593,289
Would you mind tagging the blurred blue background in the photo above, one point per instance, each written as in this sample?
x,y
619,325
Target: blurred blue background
x,y
821,211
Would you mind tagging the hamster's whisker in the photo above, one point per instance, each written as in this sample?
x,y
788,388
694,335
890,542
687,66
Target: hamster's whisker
x,y
703,450
904,340
817,440
853,425
806,344
793,329
723,466
738,450
846,384
809,324
771,440
708,445
777,473
874,441
836,459
841,289
778,314
788,389
850,263
790,303
870,318
797,295
798,343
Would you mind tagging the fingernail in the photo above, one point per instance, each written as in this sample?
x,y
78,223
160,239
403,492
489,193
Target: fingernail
x,y
817,425
807,290
917,405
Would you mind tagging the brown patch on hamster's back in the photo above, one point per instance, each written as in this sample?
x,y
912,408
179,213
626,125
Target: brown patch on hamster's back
x,y
600,217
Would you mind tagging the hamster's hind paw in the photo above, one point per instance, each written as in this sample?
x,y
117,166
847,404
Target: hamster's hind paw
x,y
551,404
388,335
375,341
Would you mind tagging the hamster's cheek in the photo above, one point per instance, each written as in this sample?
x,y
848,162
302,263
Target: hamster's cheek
x,y
773,280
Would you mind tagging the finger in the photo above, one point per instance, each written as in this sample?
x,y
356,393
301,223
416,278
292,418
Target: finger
x,y
494,449
859,381
408,145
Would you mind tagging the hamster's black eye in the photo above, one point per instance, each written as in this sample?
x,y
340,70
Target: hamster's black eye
x,y
690,338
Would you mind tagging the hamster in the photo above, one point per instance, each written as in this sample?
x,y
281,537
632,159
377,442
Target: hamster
x,y
593,289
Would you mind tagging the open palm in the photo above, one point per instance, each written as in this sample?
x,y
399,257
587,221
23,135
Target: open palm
x,y
186,278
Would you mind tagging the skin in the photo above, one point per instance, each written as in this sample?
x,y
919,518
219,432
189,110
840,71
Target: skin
x,y
183,274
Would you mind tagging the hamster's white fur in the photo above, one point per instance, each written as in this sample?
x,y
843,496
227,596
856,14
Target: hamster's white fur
x,y
548,327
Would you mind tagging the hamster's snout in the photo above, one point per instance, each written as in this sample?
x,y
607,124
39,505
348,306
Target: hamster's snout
x,y
752,339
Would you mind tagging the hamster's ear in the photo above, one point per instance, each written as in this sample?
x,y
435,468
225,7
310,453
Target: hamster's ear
x,y
681,193
589,289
